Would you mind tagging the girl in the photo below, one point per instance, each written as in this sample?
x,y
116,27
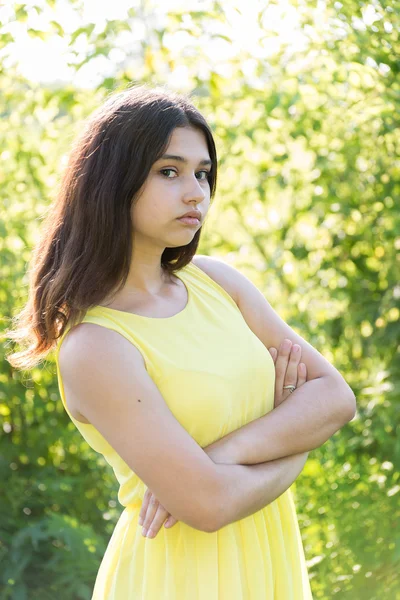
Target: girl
x,y
166,371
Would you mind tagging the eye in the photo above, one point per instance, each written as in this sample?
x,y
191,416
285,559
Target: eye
x,y
166,170
207,174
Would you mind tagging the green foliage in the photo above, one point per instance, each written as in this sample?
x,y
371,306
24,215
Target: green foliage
x,y
69,553
307,207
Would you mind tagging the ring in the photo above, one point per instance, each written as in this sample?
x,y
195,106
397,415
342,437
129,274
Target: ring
x,y
289,387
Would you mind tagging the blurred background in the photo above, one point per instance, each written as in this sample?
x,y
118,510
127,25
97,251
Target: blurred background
x,y
303,99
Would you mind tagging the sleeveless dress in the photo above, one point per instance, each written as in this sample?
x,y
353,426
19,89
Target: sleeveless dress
x,y
215,376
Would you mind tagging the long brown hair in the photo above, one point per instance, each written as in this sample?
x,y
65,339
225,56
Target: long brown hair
x,y
84,250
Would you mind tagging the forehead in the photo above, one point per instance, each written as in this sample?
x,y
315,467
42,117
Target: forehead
x,y
189,142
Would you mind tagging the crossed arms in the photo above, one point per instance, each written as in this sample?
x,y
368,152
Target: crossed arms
x,y
103,374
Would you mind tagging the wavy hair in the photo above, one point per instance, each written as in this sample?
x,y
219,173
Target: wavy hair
x,y
85,243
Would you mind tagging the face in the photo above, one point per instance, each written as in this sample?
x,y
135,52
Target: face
x,y
173,188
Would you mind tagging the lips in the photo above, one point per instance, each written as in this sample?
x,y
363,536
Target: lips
x,y
195,214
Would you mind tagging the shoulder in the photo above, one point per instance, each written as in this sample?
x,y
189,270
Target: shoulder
x,y
80,338
91,342
87,351
239,287
221,272
244,292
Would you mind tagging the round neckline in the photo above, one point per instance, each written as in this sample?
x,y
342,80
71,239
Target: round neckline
x,y
136,316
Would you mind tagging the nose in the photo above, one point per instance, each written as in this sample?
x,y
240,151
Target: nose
x,y
195,191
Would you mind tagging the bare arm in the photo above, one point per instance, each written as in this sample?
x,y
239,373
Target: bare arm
x,y
250,491
106,381
247,489
302,423
251,487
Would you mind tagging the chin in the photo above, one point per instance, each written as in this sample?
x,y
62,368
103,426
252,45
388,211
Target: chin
x,y
184,238
178,244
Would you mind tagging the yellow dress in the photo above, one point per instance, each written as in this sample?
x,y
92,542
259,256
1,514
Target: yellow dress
x,y
215,375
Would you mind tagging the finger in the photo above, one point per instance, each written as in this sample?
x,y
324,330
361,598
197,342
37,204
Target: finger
x,y
273,352
281,365
170,522
145,504
151,511
160,516
301,374
291,371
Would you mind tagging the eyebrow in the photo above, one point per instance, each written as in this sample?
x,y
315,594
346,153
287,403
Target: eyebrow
x,y
206,161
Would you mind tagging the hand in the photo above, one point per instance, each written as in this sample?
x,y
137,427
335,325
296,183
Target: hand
x,y
288,370
153,515
220,451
